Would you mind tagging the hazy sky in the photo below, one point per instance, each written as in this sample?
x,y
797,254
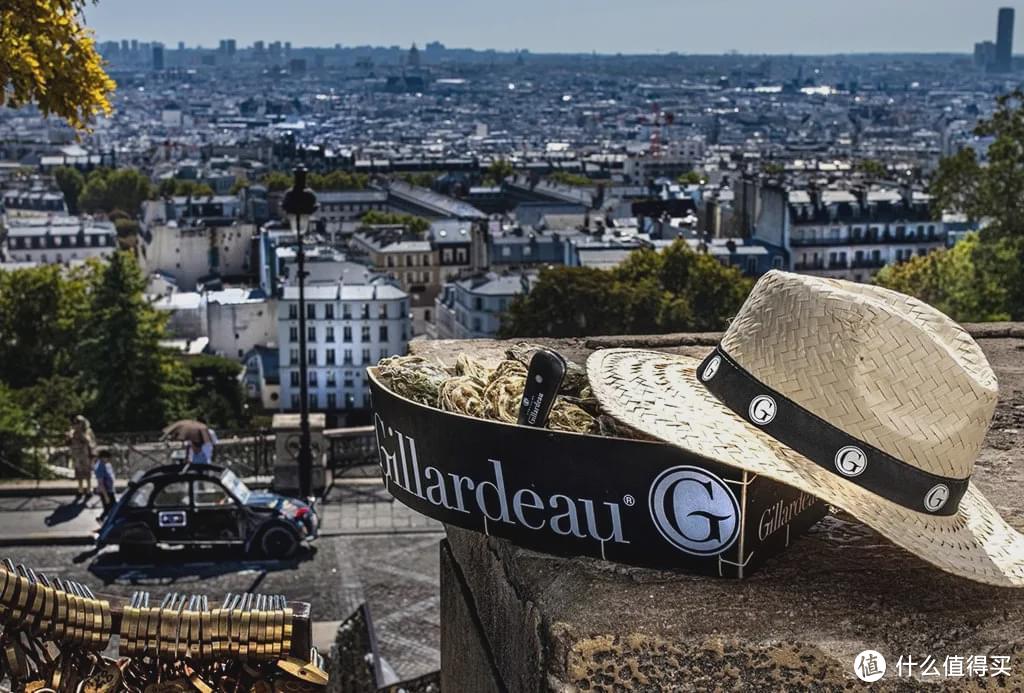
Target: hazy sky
x,y
606,26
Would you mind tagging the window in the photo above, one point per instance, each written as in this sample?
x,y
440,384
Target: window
x,y
293,311
329,334
311,311
478,303
348,382
311,357
311,333
446,256
295,401
366,356
173,495
295,378
312,379
477,327
391,261
346,312
314,402
348,357
293,357
330,357
426,260
329,311
506,251
382,311
383,333
426,316
140,499
346,334
331,379
777,262
751,266
206,494
408,260
383,354
365,336
365,312
332,401
527,250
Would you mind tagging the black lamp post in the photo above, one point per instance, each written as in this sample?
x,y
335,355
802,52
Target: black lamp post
x,y
299,204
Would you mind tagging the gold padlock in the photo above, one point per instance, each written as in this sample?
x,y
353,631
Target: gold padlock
x,y
106,680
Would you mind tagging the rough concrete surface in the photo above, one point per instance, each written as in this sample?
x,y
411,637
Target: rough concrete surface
x,y
582,624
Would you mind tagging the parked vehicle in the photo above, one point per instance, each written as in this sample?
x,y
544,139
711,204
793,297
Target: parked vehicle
x,y
205,505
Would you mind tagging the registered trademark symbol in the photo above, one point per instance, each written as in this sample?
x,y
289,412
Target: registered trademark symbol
x,y
629,501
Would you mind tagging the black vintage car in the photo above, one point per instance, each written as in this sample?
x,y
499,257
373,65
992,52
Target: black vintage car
x,y
205,505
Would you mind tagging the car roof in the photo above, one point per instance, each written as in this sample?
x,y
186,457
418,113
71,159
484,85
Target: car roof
x,y
187,470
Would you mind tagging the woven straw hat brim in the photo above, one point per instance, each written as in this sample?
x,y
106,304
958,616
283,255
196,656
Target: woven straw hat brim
x,y
659,394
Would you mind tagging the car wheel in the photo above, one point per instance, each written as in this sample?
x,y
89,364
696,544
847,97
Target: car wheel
x,y
278,541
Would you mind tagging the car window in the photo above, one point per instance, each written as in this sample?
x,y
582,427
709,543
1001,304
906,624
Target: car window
x,y
140,499
209,493
236,486
173,495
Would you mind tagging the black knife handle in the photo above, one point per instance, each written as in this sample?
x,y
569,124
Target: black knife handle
x,y
547,369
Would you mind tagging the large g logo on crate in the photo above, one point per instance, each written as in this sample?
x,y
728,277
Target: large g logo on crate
x,y
694,510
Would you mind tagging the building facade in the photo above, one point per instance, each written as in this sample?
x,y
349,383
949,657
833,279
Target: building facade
x,y
471,308
49,240
349,328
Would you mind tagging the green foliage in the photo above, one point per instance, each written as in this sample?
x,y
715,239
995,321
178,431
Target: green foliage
x,y
690,178
239,185
134,383
123,189
568,178
43,311
171,187
677,290
872,168
417,225
424,179
499,170
967,282
50,404
217,395
18,437
277,181
48,55
773,168
70,181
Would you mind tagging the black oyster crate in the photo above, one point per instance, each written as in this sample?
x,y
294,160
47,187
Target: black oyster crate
x,y
641,503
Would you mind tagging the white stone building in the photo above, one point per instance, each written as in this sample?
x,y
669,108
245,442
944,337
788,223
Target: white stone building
x,y
238,320
349,327
48,240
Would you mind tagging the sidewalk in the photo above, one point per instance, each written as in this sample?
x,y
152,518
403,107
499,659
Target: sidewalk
x,y
47,514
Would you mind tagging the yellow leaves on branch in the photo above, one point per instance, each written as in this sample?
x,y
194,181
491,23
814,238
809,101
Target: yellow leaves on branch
x,y
48,56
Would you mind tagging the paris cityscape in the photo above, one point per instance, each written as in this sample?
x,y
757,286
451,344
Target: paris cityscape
x,y
201,261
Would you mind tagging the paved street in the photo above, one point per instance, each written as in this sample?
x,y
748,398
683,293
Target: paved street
x,y
372,550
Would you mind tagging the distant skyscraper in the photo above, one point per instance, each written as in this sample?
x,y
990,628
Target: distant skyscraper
x,y
181,45
158,56
984,55
125,45
1004,40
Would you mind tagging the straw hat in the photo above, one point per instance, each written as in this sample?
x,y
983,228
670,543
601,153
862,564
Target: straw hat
x,y
868,399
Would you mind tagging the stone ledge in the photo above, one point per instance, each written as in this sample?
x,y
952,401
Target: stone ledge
x,y
582,624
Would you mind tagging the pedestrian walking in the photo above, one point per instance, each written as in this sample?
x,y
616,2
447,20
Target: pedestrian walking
x,y
103,470
82,448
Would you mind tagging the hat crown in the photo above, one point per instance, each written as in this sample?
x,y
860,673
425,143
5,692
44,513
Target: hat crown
x,y
883,367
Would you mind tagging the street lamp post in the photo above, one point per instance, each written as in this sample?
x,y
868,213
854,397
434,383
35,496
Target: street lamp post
x,y
299,204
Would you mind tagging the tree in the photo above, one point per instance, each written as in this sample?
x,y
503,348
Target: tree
x,y
135,384
169,187
499,170
966,282
70,181
992,194
18,437
677,290
690,178
43,313
49,57
568,178
123,189
417,225
217,396
276,181
241,183
872,168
